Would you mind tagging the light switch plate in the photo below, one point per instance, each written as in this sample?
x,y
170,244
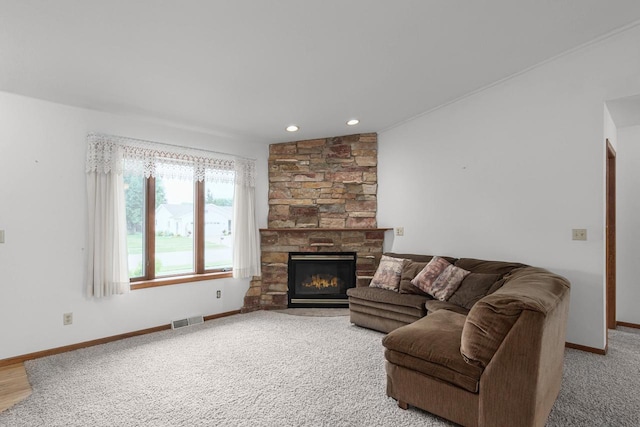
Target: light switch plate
x,y
579,234
1,236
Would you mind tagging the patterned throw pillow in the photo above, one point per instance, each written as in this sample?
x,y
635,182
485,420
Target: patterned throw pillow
x,y
387,275
448,282
430,273
440,278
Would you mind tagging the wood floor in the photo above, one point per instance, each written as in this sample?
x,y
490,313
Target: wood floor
x,y
14,385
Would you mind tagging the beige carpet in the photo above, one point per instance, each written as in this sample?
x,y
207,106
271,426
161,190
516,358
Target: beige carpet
x,y
316,312
273,369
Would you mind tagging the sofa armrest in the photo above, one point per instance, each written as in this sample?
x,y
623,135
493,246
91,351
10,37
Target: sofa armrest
x,y
522,381
491,319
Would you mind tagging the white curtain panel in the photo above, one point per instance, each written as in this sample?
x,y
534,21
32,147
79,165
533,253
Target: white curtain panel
x,y
107,270
246,246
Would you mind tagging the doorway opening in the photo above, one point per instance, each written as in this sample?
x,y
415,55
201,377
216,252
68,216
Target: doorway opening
x,y
610,236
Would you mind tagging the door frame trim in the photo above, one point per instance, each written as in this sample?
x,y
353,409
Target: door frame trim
x,y
610,236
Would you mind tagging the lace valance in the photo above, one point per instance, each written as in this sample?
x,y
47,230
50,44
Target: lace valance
x,y
108,153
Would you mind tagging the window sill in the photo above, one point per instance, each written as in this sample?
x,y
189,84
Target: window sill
x,y
165,281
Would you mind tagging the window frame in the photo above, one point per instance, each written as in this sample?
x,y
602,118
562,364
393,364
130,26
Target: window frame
x,y
149,279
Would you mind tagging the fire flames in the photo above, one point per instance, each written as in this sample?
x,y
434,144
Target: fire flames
x,y
319,282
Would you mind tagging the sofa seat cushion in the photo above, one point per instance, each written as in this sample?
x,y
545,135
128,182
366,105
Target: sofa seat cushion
x,y
384,310
385,296
434,305
431,346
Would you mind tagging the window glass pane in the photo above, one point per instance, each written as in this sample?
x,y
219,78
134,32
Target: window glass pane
x,y
174,227
218,241
134,193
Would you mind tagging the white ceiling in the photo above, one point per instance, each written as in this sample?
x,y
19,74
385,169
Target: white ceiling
x,y
248,68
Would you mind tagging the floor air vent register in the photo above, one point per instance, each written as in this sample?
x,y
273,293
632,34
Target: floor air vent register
x,y
181,323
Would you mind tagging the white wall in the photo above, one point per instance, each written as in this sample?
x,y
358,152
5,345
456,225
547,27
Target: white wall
x,y
506,174
610,131
43,213
628,225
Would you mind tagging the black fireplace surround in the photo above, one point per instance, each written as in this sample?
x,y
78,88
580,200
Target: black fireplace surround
x,y
321,279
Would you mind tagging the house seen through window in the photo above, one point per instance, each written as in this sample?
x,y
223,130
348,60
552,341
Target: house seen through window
x,y
177,227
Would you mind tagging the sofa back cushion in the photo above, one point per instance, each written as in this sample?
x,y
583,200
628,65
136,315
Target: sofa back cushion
x,y
473,287
488,267
409,271
491,318
419,258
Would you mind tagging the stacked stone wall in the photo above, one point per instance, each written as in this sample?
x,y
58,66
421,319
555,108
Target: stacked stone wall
x,y
324,183
322,198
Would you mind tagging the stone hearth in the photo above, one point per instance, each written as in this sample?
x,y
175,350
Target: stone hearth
x,y
322,198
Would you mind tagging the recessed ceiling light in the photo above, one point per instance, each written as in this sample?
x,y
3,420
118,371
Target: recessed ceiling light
x,y
353,122
292,128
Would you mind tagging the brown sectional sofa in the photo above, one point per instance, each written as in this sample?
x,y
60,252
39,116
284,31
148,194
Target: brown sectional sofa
x,y
496,362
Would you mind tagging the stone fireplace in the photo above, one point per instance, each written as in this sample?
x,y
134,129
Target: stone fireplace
x,y
322,199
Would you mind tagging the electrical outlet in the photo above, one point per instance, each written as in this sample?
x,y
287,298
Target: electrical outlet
x,y
399,231
218,294
67,319
579,234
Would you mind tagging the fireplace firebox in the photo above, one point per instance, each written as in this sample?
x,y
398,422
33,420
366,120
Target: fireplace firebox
x,y
321,279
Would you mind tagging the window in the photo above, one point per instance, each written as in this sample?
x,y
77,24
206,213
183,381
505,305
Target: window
x,y
161,214
177,228
218,241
